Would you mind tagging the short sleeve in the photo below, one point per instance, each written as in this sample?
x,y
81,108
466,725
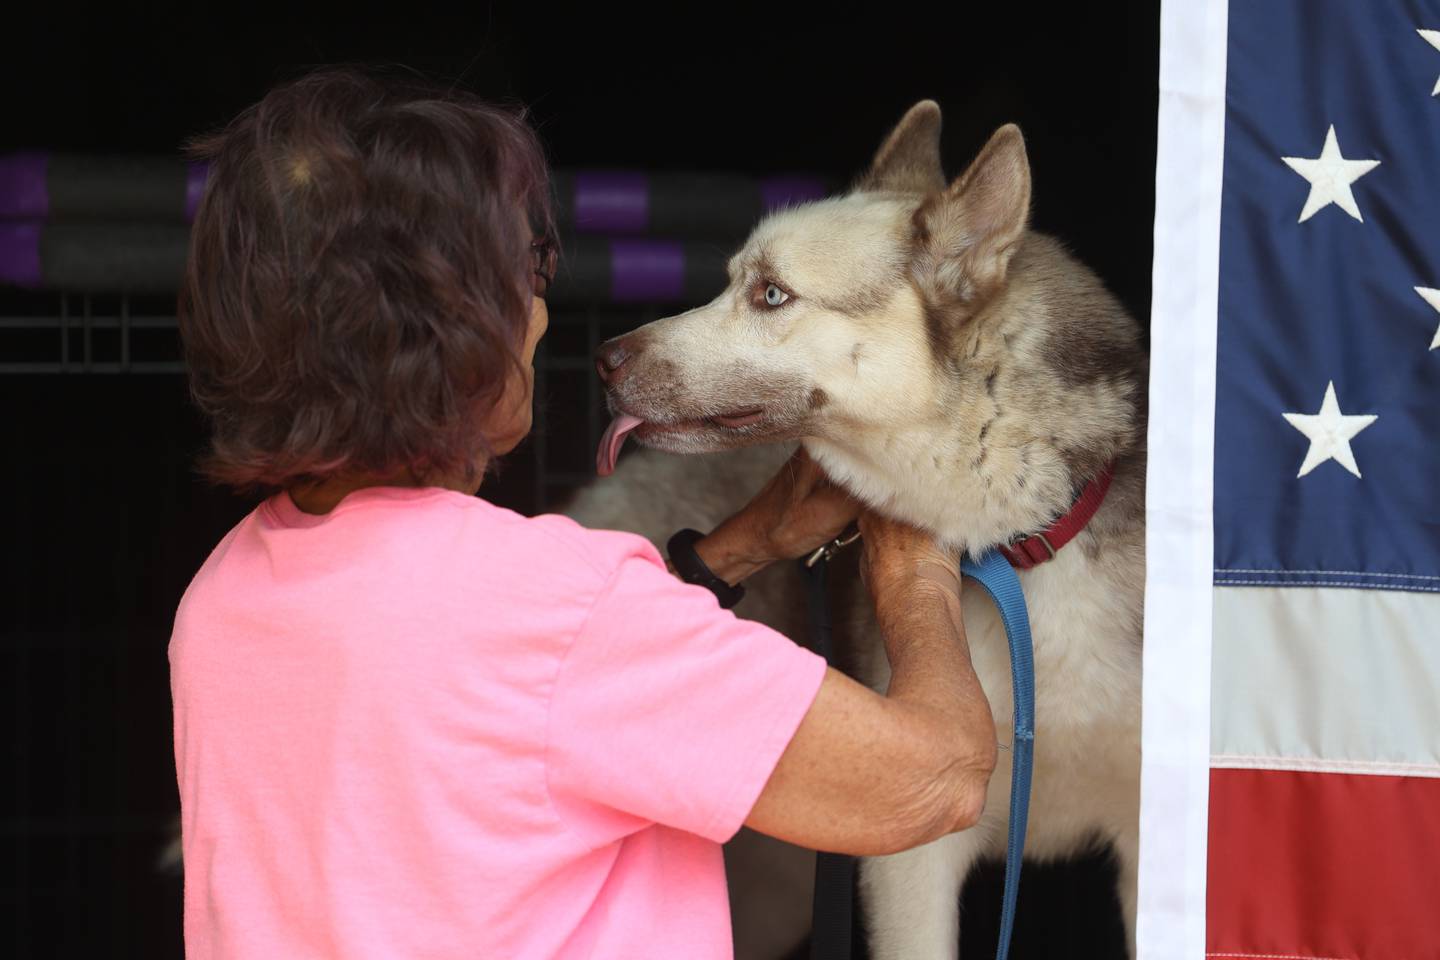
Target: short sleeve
x,y
671,710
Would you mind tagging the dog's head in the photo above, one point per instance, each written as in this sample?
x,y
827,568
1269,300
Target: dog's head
x,y
836,311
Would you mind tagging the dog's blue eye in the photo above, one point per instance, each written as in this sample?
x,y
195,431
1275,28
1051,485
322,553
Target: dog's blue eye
x,y
774,296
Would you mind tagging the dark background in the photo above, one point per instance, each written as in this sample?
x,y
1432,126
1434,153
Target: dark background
x,y
104,520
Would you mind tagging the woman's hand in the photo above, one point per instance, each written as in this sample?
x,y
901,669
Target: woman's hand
x,y
796,512
873,775
900,560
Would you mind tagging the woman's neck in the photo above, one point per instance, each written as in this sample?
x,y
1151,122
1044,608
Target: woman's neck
x,y
320,497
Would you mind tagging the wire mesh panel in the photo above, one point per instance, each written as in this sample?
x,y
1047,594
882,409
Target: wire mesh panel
x,y
88,333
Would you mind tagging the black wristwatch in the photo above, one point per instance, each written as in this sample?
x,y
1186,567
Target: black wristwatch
x,y
693,570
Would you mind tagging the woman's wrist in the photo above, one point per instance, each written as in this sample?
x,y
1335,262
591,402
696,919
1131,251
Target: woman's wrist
x,y
925,626
734,552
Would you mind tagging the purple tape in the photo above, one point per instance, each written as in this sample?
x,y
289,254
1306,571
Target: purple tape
x,y
647,271
789,191
612,202
20,254
23,192
195,176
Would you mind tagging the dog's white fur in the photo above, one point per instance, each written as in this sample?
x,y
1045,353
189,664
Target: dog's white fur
x,y
958,371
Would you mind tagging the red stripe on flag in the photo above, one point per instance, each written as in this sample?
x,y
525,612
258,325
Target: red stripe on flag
x,y
1323,865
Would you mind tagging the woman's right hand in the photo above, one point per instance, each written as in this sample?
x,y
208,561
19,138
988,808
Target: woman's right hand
x,y
902,563
872,775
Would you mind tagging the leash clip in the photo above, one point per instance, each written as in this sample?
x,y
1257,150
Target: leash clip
x,y
828,551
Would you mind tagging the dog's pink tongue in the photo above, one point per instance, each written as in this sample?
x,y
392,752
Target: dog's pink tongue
x,y
613,440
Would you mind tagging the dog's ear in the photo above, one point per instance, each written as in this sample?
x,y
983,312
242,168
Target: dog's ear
x,y
966,235
909,159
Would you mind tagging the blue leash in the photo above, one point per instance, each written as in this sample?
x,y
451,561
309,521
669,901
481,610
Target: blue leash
x,y
830,938
994,573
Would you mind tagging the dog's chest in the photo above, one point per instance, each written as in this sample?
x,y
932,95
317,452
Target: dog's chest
x,y
1085,628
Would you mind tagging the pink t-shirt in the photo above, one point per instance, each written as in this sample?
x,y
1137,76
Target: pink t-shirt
x,y
425,726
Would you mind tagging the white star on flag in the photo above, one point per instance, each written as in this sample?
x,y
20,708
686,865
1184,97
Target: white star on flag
x,y
1330,176
1330,432
1433,36
1432,297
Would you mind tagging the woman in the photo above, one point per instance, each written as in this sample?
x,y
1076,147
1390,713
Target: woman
x,y
411,723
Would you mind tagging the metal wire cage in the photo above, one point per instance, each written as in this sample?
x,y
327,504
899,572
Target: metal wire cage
x,y
52,333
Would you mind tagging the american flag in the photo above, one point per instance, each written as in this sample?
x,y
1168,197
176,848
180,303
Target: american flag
x,y
1291,795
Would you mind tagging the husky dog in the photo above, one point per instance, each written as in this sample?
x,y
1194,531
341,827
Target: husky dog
x,y
956,370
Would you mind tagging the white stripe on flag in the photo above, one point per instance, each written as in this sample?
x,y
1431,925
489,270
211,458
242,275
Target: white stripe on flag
x,y
1175,777
1326,676
1231,761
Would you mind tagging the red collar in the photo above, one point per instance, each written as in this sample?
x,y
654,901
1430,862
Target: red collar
x,y
1026,552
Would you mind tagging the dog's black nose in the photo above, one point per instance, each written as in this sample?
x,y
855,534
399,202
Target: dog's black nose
x,y
609,358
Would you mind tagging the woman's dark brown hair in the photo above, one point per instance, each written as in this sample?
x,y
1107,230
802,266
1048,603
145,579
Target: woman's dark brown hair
x,y
359,279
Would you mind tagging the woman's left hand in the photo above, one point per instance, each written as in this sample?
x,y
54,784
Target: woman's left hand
x,y
798,510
